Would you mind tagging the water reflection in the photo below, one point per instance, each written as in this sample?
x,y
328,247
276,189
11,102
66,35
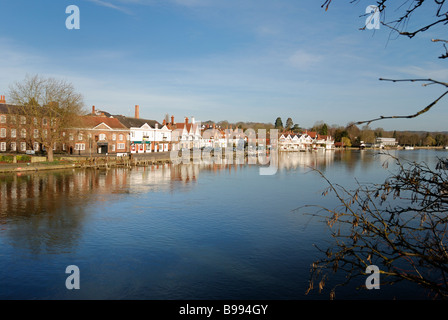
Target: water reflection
x,y
159,231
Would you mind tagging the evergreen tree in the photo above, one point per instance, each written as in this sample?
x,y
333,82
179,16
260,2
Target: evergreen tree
x,y
278,123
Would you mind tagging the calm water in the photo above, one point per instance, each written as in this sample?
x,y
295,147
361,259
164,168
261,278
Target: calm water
x,y
178,232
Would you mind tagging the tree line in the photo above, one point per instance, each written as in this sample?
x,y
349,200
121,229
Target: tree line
x,y
352,134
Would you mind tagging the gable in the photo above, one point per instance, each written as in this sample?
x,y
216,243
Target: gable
x,y
103,126
146,127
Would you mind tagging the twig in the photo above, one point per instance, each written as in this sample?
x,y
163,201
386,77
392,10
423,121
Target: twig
x,y
424,110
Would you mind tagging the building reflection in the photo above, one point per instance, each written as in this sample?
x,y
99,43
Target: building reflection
x,y
27,194
314,160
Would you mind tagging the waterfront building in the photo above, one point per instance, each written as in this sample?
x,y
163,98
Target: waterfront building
x,y
386,142
97,134
307,141
19,132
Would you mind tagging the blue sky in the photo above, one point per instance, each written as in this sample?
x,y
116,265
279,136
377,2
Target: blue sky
x,y
246,60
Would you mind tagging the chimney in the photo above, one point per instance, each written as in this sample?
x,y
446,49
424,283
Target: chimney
x,y
93,110
192,120
137,111
164,122
2,99
172,119
186,120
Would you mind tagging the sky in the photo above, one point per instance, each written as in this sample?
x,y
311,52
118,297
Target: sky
x,y
234,60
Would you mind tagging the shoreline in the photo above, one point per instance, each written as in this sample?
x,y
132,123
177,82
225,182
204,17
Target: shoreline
x,y
107,162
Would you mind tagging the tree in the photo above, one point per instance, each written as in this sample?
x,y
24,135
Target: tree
x,y
399,225
405,238
323,130
346,142
278,123
289,124
296,128
367,135
50,106
398,25
429,140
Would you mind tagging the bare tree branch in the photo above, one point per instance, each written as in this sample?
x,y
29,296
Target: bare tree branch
x,y
422,111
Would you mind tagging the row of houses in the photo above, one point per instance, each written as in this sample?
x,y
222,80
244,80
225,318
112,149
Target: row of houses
x,y
307,141
100,132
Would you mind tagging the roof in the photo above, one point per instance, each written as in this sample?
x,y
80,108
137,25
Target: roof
x,y
93,121
8,108
129,122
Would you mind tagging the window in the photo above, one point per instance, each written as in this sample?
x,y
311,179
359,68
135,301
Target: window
x,y
80,146
23,133
22,146
114,137
13,119
120,137
102,136
113,148
71,136
2,119
35,121
63,147
44,133
36,133
13,133
2,133
36,146
121,146
13,146
44,121
22,120
80,137
2,146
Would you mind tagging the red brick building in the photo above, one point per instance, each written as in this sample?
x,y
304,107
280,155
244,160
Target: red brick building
x,y
98,134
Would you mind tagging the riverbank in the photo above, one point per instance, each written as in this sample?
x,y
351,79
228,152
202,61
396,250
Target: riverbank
x,y
96,162
109,161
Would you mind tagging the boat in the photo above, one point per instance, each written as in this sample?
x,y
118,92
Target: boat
x,y
408,148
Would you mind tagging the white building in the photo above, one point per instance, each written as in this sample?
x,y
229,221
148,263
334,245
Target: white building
x,y
147,139
304,142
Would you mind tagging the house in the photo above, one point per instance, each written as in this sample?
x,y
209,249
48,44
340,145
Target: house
x,y
185,134
19,132
289,141
386,142
145,135
97,134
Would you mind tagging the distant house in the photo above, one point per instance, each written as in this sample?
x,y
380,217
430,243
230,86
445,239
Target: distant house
x,y
185,134
386,142
307,141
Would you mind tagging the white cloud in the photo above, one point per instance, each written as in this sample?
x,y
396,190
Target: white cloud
x,y
430,71
304,60
112,6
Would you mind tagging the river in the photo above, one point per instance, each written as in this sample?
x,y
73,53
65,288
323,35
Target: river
x,y
188,231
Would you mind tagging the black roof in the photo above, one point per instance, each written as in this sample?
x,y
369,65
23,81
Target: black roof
x,y
129,122
10,108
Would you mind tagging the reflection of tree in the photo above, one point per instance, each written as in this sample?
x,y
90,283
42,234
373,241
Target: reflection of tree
x,y
45,211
